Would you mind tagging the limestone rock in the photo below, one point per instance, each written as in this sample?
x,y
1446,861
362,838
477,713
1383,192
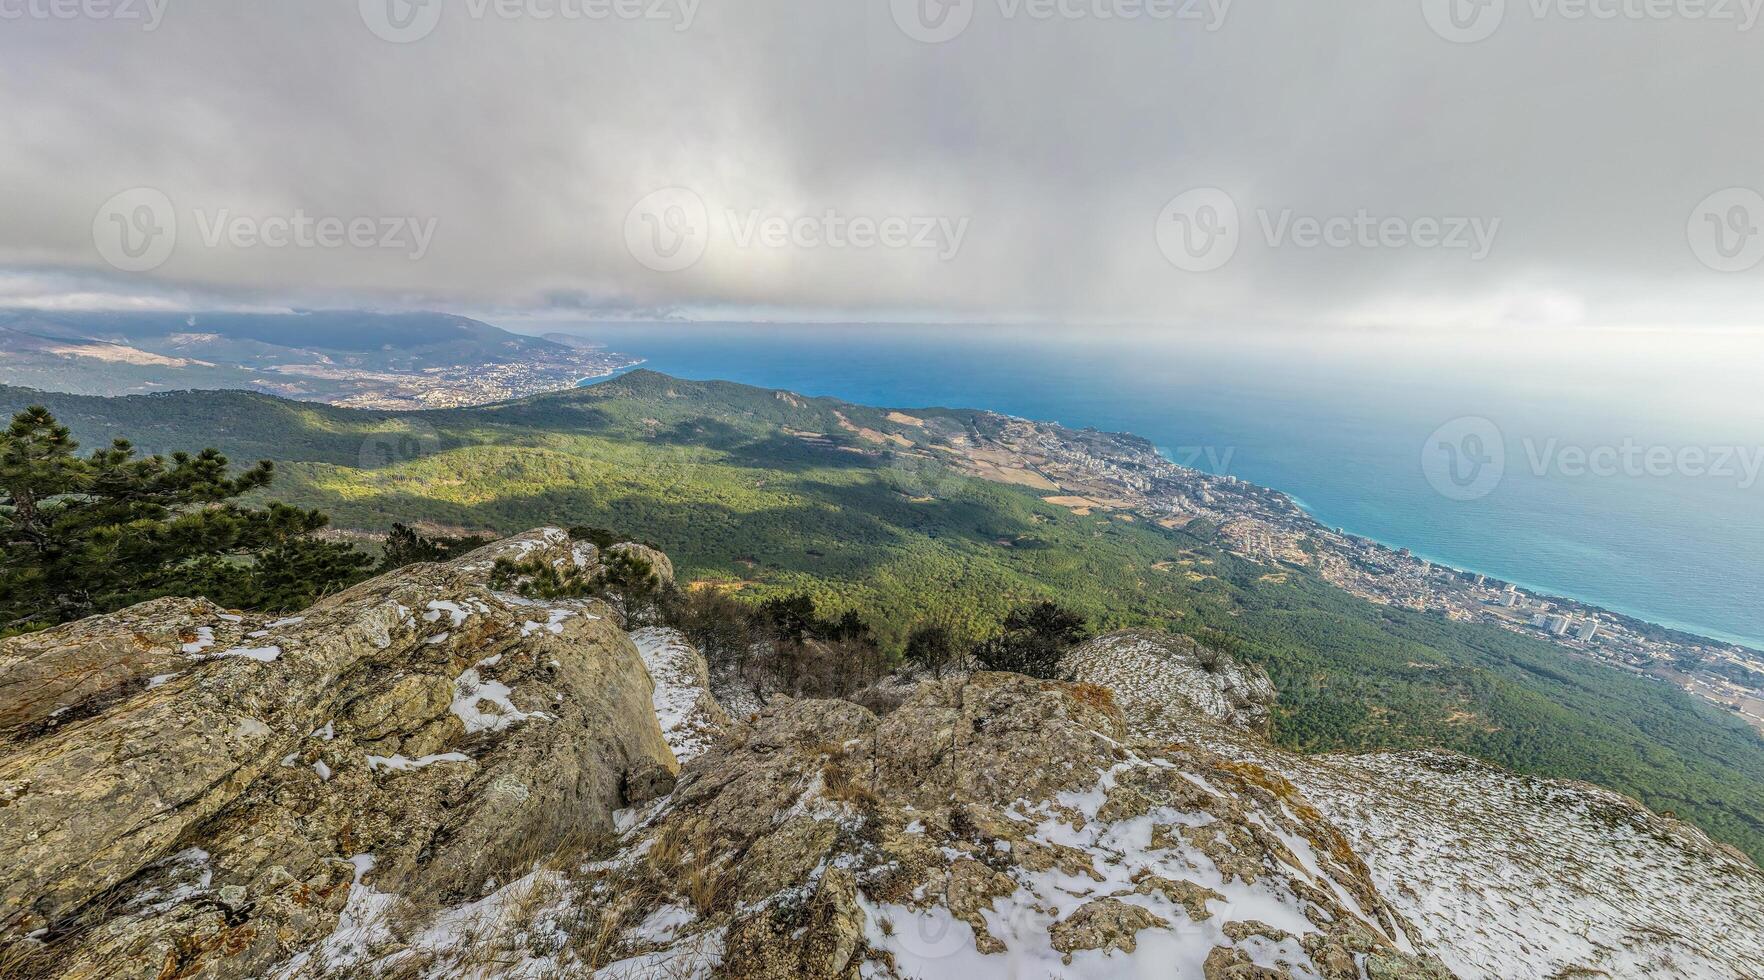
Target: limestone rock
x,y
691,719
1105,924
990,823
1157,675
424,777
54,678
1482,862
1192,897
187,792
658,562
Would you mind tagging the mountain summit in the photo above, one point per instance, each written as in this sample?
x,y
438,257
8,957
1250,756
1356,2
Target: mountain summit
x,y
431,775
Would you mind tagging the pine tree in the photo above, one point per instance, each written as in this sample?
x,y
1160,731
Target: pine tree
x,y
1035,639
932,648
83,536
404,546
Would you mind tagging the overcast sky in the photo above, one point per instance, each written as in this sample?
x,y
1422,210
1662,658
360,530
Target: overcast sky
x,y
1495,165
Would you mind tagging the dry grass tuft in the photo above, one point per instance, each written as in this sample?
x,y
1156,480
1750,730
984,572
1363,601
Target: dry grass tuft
x,y
24,958
1095,697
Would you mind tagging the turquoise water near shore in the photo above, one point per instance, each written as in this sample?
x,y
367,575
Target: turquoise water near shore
x,y
1341,421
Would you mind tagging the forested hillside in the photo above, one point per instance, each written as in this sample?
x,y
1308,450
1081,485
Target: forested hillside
x,y
765,492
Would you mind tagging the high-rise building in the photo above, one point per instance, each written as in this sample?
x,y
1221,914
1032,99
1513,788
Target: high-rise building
x,y
1588,632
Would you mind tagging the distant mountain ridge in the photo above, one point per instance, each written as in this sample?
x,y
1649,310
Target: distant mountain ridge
x,y
391,360
371,336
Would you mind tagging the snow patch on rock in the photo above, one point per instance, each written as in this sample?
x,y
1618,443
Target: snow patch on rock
x,y
1154,674
471,690
690,718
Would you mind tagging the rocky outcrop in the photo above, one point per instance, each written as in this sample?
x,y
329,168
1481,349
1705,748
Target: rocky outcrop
x,y
1161,680
990,824
426,777
691,719
1507,875
188,792
659,564
1503,875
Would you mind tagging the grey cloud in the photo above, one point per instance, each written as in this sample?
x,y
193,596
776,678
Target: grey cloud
x,y
527,142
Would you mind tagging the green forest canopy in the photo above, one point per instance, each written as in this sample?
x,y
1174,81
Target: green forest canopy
x,y
725,479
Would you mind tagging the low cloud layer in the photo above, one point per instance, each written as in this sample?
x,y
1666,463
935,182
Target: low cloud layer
x,y
1410,162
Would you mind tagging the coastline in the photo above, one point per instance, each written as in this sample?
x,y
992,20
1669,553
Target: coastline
x,y
606,375
1689,631
1117,472
1644,621
1680,554
1126,473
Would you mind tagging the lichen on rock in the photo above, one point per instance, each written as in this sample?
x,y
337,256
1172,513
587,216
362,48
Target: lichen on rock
x,y
350,749
433,778
1154,675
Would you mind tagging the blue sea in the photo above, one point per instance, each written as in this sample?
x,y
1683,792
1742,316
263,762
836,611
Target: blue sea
x,y
1630,458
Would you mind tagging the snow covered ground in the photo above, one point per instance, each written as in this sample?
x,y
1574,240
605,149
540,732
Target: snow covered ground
x,y
1509,876
690,718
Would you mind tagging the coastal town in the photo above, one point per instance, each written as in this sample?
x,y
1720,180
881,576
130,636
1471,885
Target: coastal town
x,y
460,386
1093,472
382,362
